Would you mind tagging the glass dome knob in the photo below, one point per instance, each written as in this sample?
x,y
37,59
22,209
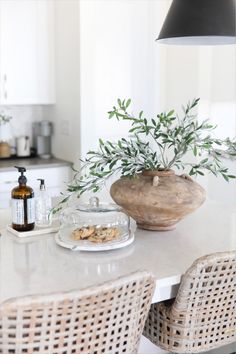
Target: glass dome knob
x,y
94,202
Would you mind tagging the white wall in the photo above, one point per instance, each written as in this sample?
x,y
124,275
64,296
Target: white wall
x,y
119,59
208,72
66,112
104,50
217,87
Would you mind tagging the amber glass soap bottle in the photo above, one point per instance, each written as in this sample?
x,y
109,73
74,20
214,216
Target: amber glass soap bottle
x,y
22,202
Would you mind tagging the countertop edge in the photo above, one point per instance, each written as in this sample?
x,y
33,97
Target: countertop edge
x,y
33,163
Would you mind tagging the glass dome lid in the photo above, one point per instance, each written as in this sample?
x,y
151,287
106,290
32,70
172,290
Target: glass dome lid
x,y
95,223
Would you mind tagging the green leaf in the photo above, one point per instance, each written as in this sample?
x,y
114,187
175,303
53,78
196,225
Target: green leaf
x,y
128,103
191,172
111,145
202,162
112,164
171,113
111,114
133,129
107,150
65,199
225,177
154,122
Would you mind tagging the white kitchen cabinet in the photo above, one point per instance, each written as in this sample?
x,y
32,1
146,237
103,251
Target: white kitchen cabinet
x,y
55,181
26,52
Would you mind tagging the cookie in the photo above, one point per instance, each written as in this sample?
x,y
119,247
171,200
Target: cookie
x,y
96,234
83,233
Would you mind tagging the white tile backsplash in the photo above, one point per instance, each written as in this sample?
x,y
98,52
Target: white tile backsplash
x,y
23,117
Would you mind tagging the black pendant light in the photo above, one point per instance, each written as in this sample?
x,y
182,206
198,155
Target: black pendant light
x,y
200,22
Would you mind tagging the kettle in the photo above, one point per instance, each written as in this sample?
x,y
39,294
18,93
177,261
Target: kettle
x,y
23,146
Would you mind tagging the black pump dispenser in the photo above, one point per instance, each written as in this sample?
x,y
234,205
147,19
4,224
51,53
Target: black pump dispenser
x,y
22,202
22,179
42,184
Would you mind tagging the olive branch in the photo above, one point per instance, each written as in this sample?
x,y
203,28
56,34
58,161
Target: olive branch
x,y
4,118
159,143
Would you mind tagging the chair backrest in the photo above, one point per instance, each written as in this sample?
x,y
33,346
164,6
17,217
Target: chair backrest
x,y
206,298
104,319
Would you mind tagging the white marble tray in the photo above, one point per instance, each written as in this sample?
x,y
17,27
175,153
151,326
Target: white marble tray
x,y
37,230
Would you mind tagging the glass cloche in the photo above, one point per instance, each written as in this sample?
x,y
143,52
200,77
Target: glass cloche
x,y
94,226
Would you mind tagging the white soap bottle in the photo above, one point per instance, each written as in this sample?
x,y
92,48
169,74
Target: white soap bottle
x,y
43,206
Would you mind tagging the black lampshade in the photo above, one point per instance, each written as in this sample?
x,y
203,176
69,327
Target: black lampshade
x,y
200,22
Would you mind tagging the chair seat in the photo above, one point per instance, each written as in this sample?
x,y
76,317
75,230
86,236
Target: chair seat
x,y
203,315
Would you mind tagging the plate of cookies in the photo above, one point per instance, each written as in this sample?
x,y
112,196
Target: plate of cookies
x,y
94,237
94,227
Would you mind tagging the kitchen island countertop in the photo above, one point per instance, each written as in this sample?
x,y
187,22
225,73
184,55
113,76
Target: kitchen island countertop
x,y
37,264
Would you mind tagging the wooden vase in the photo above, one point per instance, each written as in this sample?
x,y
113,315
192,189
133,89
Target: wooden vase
x,y
157,200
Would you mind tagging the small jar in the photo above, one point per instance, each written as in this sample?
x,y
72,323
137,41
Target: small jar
x,y
5,149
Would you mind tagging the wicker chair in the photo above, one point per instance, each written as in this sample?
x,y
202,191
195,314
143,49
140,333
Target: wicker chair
x,y
203,315
104,319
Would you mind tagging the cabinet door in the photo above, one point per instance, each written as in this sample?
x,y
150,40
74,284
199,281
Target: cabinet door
x,y
26,43
56,179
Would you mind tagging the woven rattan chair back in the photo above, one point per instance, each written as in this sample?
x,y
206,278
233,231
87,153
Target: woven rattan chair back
x,y
203,315
105,319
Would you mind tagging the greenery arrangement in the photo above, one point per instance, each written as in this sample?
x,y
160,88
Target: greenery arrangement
x,y
158,143
4,118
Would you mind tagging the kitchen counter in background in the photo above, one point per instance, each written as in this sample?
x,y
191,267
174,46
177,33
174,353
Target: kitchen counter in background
x,y
32,163
56,173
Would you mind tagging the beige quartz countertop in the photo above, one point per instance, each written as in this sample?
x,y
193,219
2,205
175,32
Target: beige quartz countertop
x,y
32,163
36,264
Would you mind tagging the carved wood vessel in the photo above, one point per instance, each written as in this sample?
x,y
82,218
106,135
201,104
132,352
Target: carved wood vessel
x,y
157,200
